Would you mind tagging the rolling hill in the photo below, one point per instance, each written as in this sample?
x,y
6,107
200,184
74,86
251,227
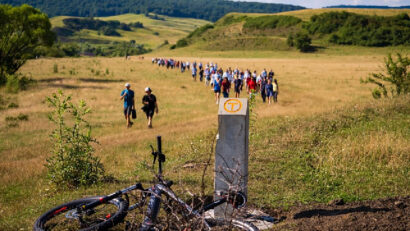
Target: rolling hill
x,y
154,32
240,31
210,10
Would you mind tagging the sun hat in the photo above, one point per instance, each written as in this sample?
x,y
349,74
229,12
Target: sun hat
x,y
127,85
148,89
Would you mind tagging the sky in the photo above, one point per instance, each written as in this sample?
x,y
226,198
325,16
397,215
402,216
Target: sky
x,y
324,3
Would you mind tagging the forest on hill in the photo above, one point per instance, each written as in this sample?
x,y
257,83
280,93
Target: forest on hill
x,y
210,10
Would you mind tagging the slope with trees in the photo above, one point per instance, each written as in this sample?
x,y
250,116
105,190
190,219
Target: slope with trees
x,y
210,10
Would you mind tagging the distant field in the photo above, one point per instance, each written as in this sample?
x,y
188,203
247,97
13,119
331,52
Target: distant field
x,y
307,13
154,33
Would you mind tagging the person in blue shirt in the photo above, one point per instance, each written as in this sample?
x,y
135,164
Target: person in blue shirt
x,y
217,88
128,95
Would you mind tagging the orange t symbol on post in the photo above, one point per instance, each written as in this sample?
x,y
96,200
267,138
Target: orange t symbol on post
x,y
232,105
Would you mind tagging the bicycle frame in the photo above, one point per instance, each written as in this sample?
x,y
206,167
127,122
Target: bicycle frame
x,y
156,192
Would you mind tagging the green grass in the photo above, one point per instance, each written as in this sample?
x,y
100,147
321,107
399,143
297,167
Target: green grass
x,y
355,153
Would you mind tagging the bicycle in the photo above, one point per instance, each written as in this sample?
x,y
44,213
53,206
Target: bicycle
x,y
104,212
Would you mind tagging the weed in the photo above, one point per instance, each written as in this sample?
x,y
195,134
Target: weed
x,y
55,68
72,163
12,105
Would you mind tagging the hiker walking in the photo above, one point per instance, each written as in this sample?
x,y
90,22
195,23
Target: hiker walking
x,y
150,105
128,96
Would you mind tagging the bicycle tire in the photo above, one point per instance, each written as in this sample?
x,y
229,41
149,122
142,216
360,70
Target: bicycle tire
x,y
120,208
233,224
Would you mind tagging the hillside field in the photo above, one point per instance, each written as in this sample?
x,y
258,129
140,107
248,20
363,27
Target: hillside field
x,y
154,33
325,139
307,13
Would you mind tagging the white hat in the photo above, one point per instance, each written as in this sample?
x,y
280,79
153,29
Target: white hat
x,y
127,85
148,89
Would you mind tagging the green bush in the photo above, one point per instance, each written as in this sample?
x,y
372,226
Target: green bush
x,y
396,81
182,43
271,22
55,68
230,19
17,82
72,163
363,30
200,30
303,42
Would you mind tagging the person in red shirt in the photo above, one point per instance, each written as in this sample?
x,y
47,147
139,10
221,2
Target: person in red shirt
x,y
252,85
226,86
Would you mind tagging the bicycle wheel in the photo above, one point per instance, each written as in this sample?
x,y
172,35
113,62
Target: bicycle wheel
x,y
233,224
66,217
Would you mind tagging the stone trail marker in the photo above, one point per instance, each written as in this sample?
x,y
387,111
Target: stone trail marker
x,y
231,154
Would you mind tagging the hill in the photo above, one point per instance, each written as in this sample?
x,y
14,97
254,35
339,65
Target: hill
x,y
271,31
369,7
210,10
153,33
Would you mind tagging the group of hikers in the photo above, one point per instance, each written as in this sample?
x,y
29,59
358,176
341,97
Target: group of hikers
x,y
222,81
149,102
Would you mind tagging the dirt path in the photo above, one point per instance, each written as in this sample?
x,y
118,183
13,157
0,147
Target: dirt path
x,y
382,214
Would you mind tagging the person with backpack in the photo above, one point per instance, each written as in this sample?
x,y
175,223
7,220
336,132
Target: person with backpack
x,y
128,96
150,105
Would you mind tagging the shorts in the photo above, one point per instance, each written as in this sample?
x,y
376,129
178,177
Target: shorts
x,y
238,89
217,90
127,110
270,93
149,113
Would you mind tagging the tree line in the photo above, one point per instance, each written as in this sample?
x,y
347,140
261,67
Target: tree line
x,y
363,30
210,10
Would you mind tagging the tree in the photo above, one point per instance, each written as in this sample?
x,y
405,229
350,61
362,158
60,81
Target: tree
x,y
303,42
396,80
22,29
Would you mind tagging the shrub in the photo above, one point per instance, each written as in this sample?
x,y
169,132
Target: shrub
x,y
303,42
396,81
271,22
290,41
136,25
55,68
182,43
17,82
200,30
364,30
72,162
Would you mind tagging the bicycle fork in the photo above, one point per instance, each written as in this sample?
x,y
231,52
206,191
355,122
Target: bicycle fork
x,y
153,209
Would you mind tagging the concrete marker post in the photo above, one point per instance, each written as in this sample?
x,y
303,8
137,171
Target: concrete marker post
x,y
232,147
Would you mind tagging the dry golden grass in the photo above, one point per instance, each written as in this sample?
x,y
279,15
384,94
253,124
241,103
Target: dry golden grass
x,y
306,86
307,13
309,83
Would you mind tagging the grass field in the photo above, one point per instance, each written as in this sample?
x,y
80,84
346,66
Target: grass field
x,y
307,13
154,33
325,133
